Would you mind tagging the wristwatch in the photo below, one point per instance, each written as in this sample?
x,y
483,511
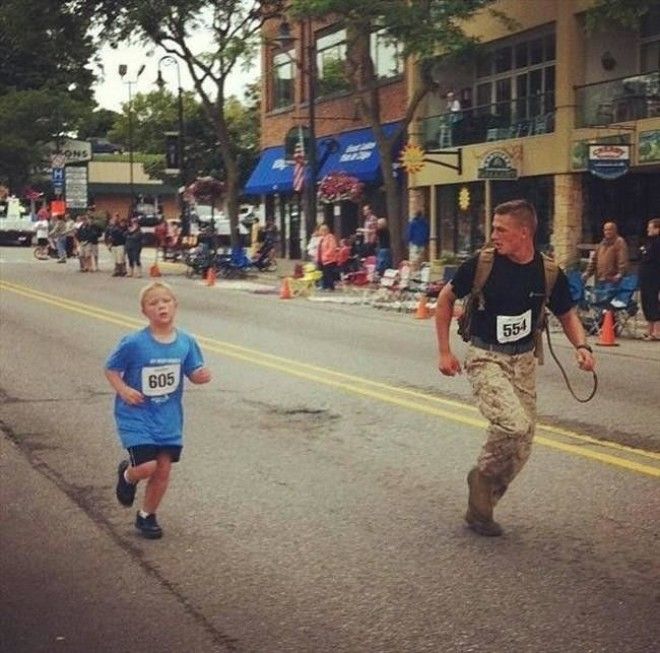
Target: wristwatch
x,y
585,346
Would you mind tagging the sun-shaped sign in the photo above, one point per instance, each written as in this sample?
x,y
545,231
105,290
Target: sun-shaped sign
x,y
464,198
412,158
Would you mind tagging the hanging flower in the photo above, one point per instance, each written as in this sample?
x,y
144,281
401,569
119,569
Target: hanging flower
x,y
205,189
339,186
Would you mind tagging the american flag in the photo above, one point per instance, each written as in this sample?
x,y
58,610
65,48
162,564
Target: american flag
x,y
298,167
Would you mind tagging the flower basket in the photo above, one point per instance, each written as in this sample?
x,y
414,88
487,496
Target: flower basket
x,y
339,186
205,190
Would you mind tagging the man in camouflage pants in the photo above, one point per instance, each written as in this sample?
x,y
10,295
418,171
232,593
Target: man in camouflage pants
x,y
500,363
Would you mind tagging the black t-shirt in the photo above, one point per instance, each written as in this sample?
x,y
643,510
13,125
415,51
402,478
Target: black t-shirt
x,y
510,292
88,233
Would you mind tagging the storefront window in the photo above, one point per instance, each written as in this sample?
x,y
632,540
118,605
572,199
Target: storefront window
x,y
283,75
331,62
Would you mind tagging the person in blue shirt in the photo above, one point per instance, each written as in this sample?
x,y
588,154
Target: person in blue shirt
x,y
146,371
418,239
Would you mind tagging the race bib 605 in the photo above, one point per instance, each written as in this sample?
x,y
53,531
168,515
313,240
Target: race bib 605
x,y
160,380
513,327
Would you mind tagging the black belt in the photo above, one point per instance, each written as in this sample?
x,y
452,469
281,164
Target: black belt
x,y
510,348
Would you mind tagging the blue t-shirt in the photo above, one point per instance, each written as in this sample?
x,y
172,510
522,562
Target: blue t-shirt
x,y
156,369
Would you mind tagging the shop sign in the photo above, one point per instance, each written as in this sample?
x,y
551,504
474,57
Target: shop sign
x,y
609,161
649,146
73,151
497,165
76,187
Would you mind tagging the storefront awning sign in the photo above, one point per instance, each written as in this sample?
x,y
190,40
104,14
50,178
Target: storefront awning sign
x,y
497,165
609,161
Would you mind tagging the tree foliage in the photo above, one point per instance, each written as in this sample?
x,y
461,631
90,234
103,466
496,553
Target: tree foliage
x,y
175,26
423,30
619,13
45,86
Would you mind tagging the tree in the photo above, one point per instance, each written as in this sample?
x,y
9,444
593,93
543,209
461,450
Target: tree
x,y
423,29
45,86
175,25
620,13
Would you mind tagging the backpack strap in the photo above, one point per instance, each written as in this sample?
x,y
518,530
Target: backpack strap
x,y
550,273
484,268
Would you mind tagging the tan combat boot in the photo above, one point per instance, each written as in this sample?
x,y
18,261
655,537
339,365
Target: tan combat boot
x,y
479,515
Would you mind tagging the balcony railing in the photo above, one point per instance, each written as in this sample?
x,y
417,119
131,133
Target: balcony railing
x,y
492,122
618,100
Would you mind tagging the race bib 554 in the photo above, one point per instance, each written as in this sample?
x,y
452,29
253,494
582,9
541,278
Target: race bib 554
x,y
513,327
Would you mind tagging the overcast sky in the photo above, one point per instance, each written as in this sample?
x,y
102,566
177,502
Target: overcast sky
x,y
112,91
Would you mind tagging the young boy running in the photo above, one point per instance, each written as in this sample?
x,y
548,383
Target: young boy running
x,y
146,370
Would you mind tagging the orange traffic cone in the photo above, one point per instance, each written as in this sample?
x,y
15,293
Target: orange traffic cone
x,y
210,277
423,312
607,335
285,290
154,270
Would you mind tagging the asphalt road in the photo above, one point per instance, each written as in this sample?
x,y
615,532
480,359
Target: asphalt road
x,y
318,505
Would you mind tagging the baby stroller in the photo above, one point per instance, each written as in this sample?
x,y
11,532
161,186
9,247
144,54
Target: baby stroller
x,y
265,260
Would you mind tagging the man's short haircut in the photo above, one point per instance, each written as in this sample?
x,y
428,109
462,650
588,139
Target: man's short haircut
x,y
155,285
655,223
522,211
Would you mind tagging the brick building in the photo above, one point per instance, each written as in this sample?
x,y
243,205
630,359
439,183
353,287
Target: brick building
x,y
344,141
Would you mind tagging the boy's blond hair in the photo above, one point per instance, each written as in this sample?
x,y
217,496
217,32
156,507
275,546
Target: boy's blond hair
x,y
155,285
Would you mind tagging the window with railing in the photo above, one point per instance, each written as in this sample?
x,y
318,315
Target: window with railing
x,y
331,63
516,80
283,78
618,100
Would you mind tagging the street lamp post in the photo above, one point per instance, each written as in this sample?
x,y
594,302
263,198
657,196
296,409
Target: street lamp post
x,y
122,73
285,40
169,60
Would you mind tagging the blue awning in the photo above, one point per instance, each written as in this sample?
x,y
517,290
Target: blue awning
x,y
357,154
272,174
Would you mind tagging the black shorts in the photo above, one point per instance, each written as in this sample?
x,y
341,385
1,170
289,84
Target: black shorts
x,y
143,453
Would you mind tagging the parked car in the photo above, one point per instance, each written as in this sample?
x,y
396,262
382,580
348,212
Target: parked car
x,y
103,146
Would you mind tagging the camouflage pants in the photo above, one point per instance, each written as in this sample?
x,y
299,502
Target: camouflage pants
x,y
505,389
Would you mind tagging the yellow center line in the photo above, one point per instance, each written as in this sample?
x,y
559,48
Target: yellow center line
x,y
402,397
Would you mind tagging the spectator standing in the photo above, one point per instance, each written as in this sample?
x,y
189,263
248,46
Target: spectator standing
x,y
418,239
610,259
453,107
70,234
87,236
58,236
368,231
384,251
116,240
134,248
41,227
649,280
327,257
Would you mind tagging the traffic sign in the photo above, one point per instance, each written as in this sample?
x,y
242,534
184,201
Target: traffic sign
x,y
58,176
